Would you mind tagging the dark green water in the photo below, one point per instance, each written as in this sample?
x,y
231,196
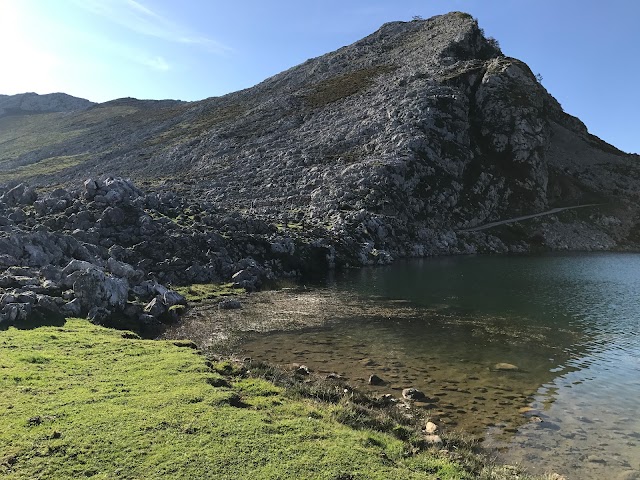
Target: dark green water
x,y
570,323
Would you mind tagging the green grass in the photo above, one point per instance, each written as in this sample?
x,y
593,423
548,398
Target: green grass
x,y
82,401
342,86
289,226
198,292
186,130
20,134
23,133
43,167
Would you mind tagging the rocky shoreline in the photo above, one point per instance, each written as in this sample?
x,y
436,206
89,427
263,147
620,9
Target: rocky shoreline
x,y
109,251
112,252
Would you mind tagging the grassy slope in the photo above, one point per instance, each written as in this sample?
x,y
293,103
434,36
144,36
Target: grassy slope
x,y
20,134
83,401
24,134
198,292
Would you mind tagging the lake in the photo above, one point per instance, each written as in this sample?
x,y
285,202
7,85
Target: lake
x,y
570,323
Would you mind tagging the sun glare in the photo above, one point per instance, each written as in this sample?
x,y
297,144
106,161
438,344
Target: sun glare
x,y
27,64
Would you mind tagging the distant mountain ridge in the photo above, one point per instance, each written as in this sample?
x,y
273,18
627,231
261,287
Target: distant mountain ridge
x,y
34,103
403,142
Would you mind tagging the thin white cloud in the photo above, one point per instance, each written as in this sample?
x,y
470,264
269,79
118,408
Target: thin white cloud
x,y
157,63
140,19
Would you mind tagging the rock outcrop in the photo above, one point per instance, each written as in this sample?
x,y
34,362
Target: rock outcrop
x,y
107,250
34,103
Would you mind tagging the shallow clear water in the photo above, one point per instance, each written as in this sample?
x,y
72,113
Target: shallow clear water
x,y
570,323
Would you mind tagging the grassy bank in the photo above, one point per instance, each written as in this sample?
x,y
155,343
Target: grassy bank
x,y
84,401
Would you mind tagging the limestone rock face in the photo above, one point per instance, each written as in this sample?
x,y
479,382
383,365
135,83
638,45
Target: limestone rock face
x,y
513,130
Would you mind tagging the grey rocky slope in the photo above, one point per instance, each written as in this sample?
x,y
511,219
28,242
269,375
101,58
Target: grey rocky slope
x,y
34,103
108,250
397,144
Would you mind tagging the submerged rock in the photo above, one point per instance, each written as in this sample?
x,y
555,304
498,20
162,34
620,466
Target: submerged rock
x,y
505,367
229,304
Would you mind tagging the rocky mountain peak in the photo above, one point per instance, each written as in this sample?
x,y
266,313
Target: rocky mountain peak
x,y
33,103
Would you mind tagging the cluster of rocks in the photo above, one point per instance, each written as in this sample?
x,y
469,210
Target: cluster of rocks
x,y
108,250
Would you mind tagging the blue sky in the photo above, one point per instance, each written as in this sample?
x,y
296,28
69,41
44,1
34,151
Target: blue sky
x,y
587,51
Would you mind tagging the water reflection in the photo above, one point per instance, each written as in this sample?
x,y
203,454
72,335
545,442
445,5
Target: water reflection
x,y
569,322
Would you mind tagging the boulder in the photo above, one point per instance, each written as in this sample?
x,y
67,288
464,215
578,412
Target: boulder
x,y
155,307
171,298
229,304
99,315
413,394
8,297
16,312
246,278
36,255
124,270
76,265
94,288
19,195
430,428
433,440
301,370
72,308
112,216
50,304
90,188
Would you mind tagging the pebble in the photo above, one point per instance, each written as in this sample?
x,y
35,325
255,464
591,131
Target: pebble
x,y
431,428
367,362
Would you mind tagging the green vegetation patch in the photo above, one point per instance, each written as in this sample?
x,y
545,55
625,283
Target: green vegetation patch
x,y
198,292
21,134
289,226
44,167
84,401
209,118
342,86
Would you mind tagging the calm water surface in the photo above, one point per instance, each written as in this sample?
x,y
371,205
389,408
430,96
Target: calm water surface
x,y
570,323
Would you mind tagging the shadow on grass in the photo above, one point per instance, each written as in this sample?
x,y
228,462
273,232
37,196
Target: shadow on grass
x,y
117,322
35,321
